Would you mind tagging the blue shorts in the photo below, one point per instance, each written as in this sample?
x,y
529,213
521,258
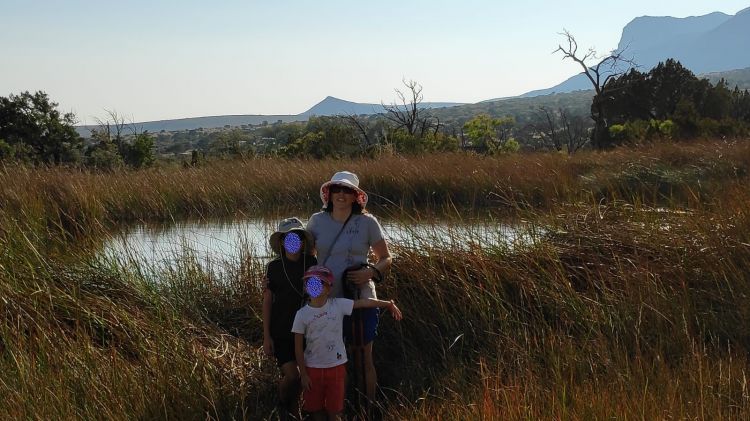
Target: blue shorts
x,y
362,326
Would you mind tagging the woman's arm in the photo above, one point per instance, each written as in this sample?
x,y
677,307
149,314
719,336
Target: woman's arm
x,y
299,354
383,265
267,341
373,303
380,250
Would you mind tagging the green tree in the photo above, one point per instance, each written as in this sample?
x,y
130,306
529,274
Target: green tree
x,y
339,137
672,83
641,104
488,134
31,124
440,142
628,97
6,151
140,153
324,137
403,142
103,153
311,145
717,102
740,108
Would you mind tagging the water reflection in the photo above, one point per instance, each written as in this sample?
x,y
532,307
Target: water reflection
x,y
219,247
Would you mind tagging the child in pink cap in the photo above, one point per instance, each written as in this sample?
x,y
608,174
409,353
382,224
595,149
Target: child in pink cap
x,y
322,362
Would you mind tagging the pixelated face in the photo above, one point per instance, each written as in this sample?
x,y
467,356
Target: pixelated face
x,y
314,286
292,243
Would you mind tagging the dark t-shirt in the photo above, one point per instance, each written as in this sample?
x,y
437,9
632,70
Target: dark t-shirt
x,y
285,282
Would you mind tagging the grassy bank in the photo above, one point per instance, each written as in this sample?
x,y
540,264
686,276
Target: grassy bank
x,y
632,304
83,339
619,313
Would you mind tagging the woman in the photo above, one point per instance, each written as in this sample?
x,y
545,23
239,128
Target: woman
x,y
344,235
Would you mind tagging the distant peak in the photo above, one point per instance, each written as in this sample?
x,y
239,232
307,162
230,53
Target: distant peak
x,y
332,99
743,11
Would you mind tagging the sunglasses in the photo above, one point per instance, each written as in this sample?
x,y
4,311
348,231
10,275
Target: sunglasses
x,y
335,188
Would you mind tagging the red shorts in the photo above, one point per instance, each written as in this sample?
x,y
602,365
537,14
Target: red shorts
x,y
326,389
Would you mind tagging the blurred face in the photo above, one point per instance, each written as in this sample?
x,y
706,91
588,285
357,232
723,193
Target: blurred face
x,y
292,243
315,286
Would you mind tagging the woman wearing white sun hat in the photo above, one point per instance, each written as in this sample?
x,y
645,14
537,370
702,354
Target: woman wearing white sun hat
x,y
344,236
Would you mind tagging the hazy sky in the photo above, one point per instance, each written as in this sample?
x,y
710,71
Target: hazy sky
x,y
151,60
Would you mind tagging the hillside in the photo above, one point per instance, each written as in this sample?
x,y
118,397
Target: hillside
x,y
739,78
523,109
576,102
207,122
329,106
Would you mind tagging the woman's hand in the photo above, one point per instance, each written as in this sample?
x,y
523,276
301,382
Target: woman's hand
x,y
360,276
395,312
268,346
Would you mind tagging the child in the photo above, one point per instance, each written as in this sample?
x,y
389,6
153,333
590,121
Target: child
x,y
283,296
319,323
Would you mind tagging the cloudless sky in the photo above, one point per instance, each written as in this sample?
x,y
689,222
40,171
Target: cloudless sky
x,y
152,59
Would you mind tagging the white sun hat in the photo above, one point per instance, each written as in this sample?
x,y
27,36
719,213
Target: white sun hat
x,y
346,179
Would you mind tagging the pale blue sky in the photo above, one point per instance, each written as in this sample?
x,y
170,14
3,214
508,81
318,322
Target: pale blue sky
x,y
152,60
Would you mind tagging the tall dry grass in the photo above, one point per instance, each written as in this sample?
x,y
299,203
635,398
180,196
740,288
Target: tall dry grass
x,y
617,313
629,303
81,338
688,175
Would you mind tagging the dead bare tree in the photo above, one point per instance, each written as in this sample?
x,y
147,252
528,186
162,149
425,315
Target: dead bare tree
x,y
599,73
575,131
406,113
559,130
437,126
113,129
548,130
361,126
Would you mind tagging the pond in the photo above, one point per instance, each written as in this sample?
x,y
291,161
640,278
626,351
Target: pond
x,y
219,246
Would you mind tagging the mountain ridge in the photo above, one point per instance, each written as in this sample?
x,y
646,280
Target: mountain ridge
x,y
704,44
710,44
327,107
740,77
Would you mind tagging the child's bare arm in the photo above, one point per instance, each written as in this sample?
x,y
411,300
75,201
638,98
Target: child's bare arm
x,y
299,354
373,303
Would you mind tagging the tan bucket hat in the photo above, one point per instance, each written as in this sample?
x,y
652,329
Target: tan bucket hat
x,y
289,225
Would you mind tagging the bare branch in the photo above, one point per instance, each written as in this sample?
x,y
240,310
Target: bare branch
x,y
406,114
549,133
598,74
361,127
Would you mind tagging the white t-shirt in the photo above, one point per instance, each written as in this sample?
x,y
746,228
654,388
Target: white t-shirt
x,y
323,330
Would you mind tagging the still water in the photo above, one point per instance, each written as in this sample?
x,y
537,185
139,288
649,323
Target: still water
x,y
220,246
